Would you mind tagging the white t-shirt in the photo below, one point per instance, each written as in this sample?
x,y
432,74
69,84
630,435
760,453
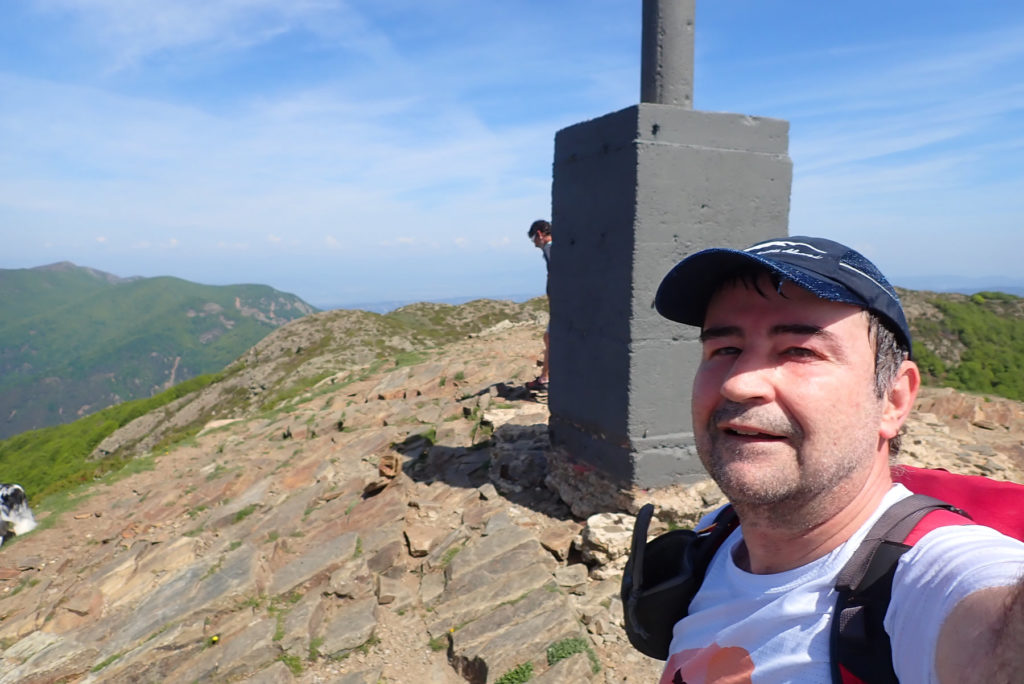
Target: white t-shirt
x,y
764,629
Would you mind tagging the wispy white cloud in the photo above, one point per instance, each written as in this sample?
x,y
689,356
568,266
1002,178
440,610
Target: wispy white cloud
x,y
132,32
267,168
283,132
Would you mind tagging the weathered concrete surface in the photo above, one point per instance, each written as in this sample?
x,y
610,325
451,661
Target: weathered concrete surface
x,y
634,192
666,52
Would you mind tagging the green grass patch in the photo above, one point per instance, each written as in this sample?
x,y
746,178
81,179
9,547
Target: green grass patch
x,y
438,643
365,647
182,436
292,662
253,602
300,386
560,650
517,675
449,555
244,513
314,647
25,582
213,569
279,625
218,470
56,459
410,358
158,632
134,466
105,662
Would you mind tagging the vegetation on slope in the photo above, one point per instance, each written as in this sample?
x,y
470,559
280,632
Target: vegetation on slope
x,y
970,343
54,459
986,332
74,340
280,367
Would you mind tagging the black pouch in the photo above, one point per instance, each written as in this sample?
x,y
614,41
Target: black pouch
x,y
663,575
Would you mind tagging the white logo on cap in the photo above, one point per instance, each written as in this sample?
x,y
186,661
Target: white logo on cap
x,y
786,247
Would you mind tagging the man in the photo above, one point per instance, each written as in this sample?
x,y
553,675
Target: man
x,y
804,382
540,234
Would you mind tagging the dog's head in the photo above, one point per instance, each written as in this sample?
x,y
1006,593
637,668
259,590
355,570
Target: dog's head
x,y
15,515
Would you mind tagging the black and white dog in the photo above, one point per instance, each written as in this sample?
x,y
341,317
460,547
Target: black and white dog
x,y
15,515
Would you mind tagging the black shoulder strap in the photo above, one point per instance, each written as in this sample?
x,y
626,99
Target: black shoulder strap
x,y
860,647
663,575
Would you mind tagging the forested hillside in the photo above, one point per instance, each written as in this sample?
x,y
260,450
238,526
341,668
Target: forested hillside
x,y
74,340
973,343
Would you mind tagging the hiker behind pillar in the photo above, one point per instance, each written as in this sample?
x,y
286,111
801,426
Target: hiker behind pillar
x,y
540,233
804,383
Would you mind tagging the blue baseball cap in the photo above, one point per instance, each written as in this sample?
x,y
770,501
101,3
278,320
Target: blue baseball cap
x,y
826,269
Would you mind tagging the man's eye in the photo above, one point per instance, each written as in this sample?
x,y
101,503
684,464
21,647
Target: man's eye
x,y
723,351
799,352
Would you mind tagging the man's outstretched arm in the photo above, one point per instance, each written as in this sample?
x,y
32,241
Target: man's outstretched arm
x,y
982,640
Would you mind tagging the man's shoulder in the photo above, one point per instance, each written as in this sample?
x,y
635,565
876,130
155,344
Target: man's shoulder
x,y
965,540
960,559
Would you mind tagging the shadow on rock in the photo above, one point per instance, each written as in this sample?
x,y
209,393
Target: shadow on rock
x,y
510,455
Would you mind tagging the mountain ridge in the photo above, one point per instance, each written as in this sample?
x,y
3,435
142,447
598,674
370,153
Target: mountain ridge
x,y
74,339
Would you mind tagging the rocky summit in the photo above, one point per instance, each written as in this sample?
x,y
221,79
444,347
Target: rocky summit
x,y
393,523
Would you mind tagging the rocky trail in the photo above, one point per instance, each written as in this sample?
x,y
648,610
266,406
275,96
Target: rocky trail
x,y
395,523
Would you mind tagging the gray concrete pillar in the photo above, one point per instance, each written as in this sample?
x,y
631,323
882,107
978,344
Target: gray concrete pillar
x,y
666,57
634,192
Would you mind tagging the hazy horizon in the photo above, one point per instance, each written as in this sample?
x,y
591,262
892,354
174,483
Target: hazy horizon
x,y
936,283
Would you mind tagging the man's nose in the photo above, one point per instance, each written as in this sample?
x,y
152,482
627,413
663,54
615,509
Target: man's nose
x,y
748,381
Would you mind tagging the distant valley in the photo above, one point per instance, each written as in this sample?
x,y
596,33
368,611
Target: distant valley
x,y
74,340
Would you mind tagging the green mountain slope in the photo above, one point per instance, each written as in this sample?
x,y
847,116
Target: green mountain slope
x,y
973,343
74,340
330,347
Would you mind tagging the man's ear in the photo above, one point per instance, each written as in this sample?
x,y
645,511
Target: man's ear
x,y
900,400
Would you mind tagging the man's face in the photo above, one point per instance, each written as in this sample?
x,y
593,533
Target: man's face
x,y
783,401
540,239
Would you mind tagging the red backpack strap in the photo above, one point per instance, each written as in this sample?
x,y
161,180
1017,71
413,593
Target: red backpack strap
x,y
860,648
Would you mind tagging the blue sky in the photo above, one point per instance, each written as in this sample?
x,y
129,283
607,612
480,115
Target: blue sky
x,y
364,150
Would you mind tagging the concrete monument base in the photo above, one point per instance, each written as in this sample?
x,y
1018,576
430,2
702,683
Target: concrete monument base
x,y
634,192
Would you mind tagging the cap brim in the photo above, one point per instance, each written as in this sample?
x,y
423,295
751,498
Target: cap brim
x,y
684,293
